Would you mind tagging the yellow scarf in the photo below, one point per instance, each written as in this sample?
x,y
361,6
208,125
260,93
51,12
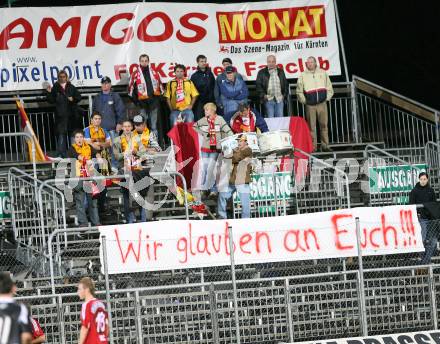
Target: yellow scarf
x,y
86,153
125,143
97,135
145,138
83,150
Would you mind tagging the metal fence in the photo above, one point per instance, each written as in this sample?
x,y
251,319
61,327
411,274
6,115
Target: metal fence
x,y
318,185
361,298
391,179
359,112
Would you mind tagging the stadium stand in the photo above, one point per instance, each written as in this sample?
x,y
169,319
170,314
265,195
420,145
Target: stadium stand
x,y
278,302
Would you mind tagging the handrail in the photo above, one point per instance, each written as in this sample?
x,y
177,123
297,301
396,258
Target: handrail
x,y
375,148
344,175
33,149
429,111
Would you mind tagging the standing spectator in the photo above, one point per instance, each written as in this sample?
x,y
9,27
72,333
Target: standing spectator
x,y
247,120
83,153
68,115
423,193
239,179
226,62
19,330
145,89
272,88
94,317
204,80
99,138
112,109
233,91
213,129
314,89
181,95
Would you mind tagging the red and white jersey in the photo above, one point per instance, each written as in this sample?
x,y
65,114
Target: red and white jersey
x,y
95,318
36,329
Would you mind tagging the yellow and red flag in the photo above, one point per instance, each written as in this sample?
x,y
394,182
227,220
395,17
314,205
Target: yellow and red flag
x,y
27,128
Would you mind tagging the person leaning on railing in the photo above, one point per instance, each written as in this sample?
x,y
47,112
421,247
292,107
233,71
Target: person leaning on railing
x,y
423,193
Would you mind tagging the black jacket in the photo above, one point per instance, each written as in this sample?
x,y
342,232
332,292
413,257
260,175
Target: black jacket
x,y
263,82
421,195
68,115
205,83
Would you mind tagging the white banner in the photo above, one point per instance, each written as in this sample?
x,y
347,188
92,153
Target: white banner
x,y
94,41
422,337
177,244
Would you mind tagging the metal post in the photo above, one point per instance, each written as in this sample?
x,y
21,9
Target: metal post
x,y
234,284
107,289
354,113
289,309
363,308
138,317
275,193
61,317
341,41
213,308
433,298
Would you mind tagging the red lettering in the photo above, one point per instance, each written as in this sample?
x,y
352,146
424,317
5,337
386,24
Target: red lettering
x,y
311,232
249,67
291,68
143,27
339,231
372,241
130,248
323,64
156,246
26,34
216,248
183,249
204,249
217,70
199,31
295,234
119,69
158,68
91,31
244,240
258,237
386,229
127,32
193,253
58,31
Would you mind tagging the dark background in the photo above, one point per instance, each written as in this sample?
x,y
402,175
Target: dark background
x,y
391,43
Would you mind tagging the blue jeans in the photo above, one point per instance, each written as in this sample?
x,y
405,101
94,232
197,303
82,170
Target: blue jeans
x,y
209,172
244,193
187,115
429,240
129,214
274,109
151,118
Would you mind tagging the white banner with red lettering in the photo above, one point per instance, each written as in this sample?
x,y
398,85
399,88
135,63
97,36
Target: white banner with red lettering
x,y
180,244
106,40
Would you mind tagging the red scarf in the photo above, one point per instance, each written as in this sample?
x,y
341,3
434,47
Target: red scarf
x,y
180,93
212,135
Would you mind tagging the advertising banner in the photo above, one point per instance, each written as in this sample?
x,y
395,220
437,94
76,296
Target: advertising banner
x,y
90,42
